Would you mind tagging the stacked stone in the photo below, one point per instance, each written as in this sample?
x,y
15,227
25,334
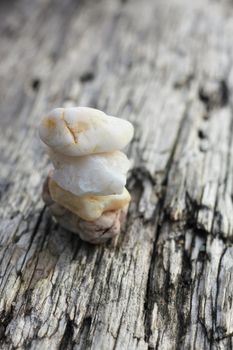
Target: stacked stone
x,y
86,190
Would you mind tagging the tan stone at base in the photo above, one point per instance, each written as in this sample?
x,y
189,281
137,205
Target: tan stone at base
x,y
88,207
97,231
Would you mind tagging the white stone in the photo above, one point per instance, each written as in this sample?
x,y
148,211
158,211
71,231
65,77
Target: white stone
x,y
82,131
97,174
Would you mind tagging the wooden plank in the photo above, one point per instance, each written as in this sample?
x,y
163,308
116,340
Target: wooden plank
x,y
166,282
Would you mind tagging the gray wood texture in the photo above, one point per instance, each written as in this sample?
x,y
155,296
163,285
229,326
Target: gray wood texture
x,y
167,281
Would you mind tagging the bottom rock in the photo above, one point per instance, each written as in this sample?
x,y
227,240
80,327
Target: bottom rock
x,y
95,232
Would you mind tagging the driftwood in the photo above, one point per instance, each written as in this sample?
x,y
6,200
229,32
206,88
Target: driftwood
x,y
167,281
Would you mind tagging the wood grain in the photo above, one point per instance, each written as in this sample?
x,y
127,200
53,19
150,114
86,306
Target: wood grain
x,y
166,282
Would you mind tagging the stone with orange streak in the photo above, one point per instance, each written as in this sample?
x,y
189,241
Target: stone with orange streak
x,y
81,131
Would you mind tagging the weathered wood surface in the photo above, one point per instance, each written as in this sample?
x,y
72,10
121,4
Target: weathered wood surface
x,y
167,281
